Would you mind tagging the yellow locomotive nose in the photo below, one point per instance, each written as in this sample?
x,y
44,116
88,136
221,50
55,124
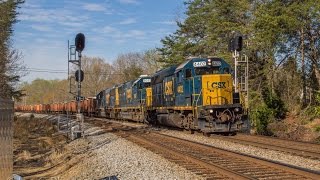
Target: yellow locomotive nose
x,y
217,89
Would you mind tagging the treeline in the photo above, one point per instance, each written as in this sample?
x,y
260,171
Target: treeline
x,y
10,65
98,75
282,41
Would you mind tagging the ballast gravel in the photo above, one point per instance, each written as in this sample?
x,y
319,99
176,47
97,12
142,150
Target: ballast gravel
x,y
247,149
105,155
111,155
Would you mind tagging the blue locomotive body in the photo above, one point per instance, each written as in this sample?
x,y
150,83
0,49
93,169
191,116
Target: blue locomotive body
x,y
197,95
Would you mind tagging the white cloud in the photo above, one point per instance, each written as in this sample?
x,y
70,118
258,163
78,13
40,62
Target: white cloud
x,y
120,36
40,19
128,21
93,7
108,29
43,28
50,15
72,24
128,1
165,22
134,34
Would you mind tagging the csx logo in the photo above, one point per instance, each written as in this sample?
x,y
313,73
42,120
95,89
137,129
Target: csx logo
x,y
218,85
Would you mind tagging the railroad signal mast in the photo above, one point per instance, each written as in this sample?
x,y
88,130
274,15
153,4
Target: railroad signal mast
x,y
74,57
241,68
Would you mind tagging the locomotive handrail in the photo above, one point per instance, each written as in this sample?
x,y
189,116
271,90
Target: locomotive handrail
x,y
196,102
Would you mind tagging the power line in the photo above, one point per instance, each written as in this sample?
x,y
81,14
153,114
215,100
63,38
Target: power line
x,y
66,72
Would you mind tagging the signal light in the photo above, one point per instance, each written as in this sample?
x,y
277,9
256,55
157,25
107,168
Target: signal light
x,y
80,42
235,43
81,76
238,43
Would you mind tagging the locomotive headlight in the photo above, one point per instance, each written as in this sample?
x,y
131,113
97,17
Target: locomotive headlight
x,y
236,109
211,110
209,60
209,63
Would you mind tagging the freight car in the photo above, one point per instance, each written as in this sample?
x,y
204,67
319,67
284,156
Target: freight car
x,y
197,95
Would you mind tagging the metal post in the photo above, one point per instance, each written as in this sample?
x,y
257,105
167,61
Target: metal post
x,y
80,117
79,83
247,81
235,56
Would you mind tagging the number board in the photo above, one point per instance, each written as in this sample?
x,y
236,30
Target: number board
x,y
200,64
216,63
146,80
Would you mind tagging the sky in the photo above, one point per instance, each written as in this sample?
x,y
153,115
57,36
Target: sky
x,y
111,27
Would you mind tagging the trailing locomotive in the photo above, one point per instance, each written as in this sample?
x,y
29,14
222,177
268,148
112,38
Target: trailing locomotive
x,y
197,95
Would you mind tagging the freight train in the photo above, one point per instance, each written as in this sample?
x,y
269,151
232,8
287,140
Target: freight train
x,y
197,95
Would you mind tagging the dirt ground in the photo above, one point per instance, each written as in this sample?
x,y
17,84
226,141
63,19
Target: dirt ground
x,y
40,152
36,146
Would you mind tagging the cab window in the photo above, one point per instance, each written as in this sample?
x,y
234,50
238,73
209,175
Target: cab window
x,y
188,73
147,85
179,76
206,71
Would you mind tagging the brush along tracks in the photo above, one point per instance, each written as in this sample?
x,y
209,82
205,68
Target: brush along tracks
x,y
303,149
211,162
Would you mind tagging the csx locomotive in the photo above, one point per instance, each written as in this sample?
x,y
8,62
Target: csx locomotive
x,y
197,95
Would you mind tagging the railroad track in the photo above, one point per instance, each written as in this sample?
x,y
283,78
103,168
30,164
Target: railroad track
x,y
303,149
211,162
207,161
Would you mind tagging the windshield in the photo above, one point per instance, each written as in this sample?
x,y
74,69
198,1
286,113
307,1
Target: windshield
x,y
147,84
211,70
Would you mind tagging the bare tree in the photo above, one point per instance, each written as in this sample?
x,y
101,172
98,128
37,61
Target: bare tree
x,y
97,75
128,67
151,62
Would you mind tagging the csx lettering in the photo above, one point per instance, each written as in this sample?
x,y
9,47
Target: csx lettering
x,y
168,88
218,85
180,89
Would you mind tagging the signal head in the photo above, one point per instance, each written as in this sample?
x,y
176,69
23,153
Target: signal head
x,y
80,42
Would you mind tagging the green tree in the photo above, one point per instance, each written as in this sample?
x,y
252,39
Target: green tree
x,y
10,66
207,29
